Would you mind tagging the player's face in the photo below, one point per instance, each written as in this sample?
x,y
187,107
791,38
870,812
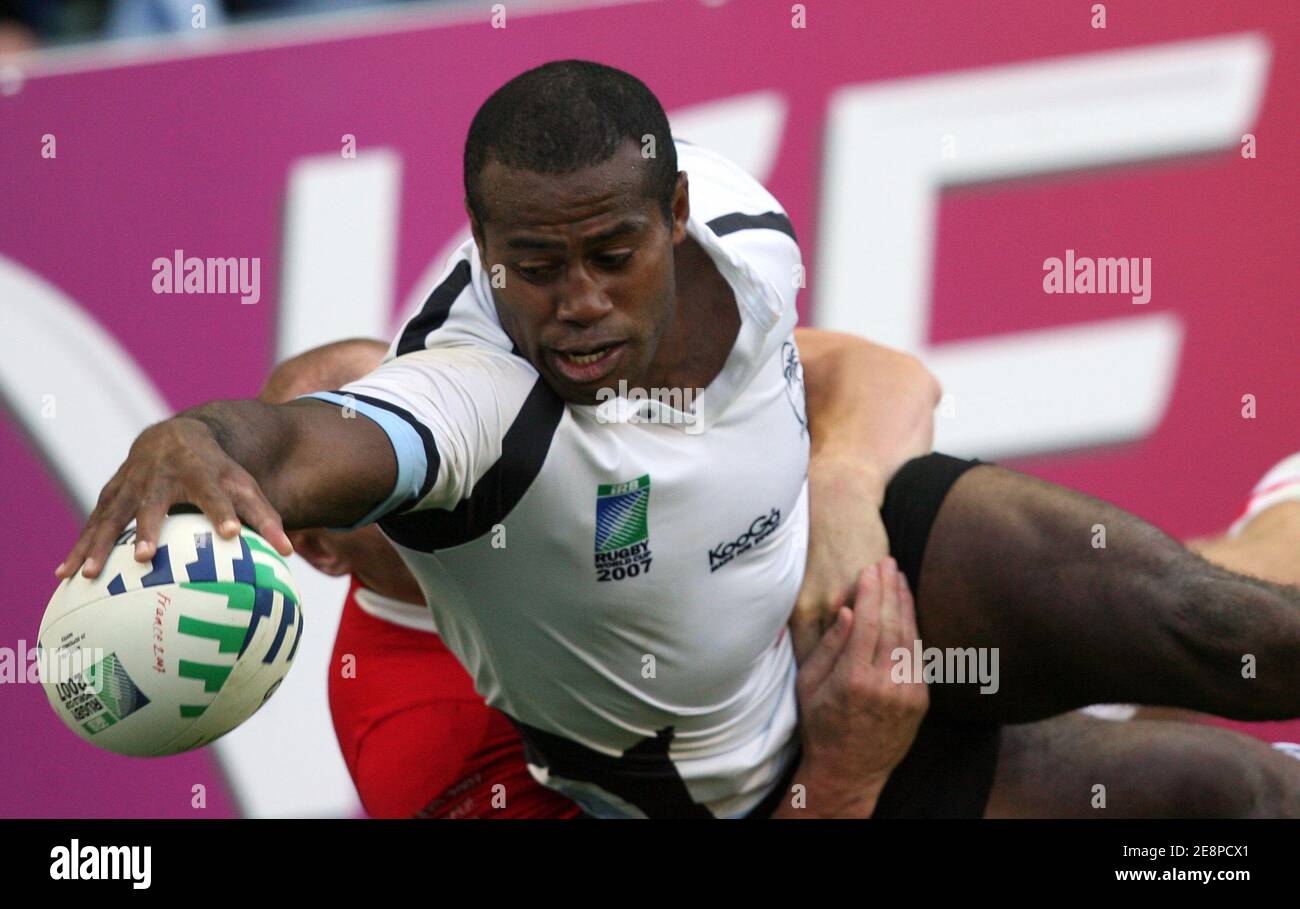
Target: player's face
x,y
581,267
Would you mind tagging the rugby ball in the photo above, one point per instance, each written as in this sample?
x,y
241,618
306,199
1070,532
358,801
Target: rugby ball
x,y
158,658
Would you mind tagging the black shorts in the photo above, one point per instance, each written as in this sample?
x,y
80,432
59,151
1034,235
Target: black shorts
x,y
949,770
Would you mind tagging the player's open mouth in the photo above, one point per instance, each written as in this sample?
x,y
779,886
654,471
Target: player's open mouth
x,y
587,365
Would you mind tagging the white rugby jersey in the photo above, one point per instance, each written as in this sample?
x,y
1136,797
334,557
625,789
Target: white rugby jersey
x,y
619,589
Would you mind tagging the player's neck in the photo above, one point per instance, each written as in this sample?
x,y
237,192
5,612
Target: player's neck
x,y
696,345
387,584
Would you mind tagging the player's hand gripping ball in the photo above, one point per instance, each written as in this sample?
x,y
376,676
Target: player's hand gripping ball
x,y
162,657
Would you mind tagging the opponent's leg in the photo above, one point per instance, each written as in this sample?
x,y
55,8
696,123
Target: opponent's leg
x,y
1078,618
1267,548
1079,767
1263,543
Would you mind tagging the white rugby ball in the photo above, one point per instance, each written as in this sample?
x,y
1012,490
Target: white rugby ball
x,y
158,658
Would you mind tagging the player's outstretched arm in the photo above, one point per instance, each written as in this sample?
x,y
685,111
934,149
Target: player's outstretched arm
x,y
294,465
870,410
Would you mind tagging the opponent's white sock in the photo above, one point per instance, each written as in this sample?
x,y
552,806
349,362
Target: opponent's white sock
x,y
1118,713
1280,484
1289,748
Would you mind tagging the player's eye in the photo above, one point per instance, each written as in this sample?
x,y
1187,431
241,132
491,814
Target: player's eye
x,y
612,260
535,272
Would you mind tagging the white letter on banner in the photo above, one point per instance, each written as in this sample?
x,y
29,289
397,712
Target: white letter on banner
x,y
1029,391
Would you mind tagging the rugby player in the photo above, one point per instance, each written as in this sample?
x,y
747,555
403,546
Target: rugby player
x,y
416,738
575,550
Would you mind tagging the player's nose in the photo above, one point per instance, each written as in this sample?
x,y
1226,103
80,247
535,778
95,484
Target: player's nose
x,y
582,299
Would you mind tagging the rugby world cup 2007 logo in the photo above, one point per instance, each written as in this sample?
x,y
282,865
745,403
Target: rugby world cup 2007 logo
x,y
622,529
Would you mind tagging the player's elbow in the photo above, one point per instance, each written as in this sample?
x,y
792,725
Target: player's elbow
x,y
918,376
910,379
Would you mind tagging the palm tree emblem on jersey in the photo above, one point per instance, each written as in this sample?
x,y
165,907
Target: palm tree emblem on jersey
x,y
792,369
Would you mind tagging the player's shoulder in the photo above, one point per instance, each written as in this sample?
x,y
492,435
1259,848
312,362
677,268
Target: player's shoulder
x,y
455,332
738,218
449,358
464,391
457,312
725,195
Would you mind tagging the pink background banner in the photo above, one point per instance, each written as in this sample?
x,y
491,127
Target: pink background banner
x,y
196,153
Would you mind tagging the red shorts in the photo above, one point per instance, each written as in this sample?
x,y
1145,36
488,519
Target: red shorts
x,y
417,738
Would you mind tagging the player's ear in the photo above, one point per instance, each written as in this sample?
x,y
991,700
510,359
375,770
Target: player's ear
x,y
320,552
335,560
476,228
681,207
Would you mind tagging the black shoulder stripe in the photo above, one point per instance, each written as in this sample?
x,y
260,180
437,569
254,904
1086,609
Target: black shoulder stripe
x,y
523,451
435,309
772,220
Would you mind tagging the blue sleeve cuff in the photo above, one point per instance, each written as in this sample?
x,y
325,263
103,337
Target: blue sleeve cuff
x,y
410,445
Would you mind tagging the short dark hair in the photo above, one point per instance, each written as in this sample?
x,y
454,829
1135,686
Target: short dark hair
x,y
567,115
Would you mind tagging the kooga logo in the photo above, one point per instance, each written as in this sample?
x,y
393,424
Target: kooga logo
x,y
759,530
102,863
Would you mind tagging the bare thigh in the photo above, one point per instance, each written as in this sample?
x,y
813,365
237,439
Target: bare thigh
x,y
1014,568
1076,766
